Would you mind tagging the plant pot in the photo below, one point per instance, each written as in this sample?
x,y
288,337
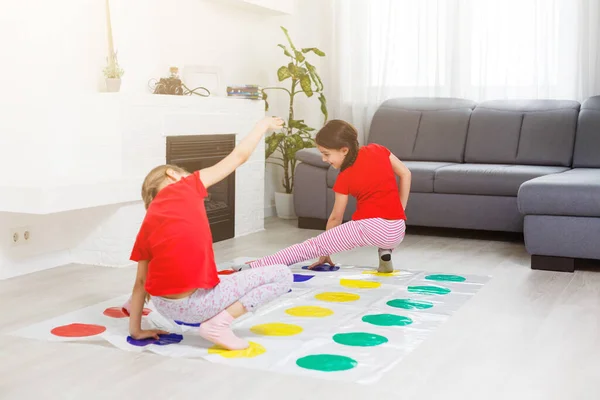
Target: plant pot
x,y
113,84
284,204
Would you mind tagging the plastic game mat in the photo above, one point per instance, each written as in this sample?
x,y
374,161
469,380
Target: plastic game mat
x,y
347,324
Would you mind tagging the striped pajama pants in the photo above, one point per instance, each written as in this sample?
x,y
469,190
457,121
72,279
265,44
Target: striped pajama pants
x,y
376,232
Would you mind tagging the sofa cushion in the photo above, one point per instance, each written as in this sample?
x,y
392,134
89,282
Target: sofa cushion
x,y
488,179
587,140
531,132
423,129
311,157
573,193
422,174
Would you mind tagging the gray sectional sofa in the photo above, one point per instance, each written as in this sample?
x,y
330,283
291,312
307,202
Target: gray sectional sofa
x,y
513,166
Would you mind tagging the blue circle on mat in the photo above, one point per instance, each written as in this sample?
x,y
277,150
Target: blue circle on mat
x,y
140,343
171,338
302,278
163,340
323,268
187,324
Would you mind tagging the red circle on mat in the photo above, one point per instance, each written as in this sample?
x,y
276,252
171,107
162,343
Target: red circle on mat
x,y
226,272
115,312
78,330
119,312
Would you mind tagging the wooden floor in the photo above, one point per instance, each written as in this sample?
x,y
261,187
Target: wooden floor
x,y
526,335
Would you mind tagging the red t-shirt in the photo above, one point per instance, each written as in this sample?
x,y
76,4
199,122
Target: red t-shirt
x,y
175,238
372,181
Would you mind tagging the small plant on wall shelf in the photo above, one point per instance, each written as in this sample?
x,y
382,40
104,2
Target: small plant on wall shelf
x,y
112,69
113,73
302,78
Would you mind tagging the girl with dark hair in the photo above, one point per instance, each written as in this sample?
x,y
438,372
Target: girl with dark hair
x,y
367,173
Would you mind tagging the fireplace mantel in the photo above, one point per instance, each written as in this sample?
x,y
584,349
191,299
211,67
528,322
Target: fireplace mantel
x,y
99,147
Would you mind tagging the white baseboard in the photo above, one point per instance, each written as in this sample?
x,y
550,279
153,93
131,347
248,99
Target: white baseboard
x,y
270,211
43,262
48,261
249,233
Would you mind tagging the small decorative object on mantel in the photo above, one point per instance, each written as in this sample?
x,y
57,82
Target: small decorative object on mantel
x,y
173,85
112,72
252,92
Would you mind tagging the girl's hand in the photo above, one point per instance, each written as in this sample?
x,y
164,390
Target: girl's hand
x,y
146,334
322,260
270,124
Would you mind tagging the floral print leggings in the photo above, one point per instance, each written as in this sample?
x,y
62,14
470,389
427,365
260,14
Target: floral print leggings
x,y
253,288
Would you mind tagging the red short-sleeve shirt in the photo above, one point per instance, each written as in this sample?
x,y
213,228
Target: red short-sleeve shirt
x,y
372,181
175,238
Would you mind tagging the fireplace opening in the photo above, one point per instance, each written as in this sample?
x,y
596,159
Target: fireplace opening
x,y
202,151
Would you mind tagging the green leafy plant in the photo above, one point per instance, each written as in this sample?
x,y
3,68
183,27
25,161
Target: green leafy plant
x,y
303,79
112,69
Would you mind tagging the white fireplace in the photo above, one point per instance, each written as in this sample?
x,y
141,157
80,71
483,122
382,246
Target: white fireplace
x,y
86,175
181,116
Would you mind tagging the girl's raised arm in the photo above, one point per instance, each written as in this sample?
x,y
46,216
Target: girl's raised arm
x,y
405,178
242,152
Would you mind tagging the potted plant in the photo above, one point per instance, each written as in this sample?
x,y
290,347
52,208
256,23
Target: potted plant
x,y
281,148
113,73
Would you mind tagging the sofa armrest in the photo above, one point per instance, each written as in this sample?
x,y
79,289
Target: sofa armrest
x,y
312,157
310,191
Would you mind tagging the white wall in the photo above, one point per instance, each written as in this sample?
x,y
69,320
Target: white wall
x,y
53,56
52,239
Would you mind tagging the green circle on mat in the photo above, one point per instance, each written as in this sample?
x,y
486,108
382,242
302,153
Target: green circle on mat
x,y
409,304
445,278
387,320
326,363
428,290
361,339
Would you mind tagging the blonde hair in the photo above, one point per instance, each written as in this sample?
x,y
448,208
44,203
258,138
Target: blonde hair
x,y
155,180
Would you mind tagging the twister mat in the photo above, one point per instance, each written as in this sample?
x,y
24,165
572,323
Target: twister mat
x,y
348,324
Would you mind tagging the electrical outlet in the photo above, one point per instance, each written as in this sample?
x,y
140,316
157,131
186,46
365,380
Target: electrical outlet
x,y
20,236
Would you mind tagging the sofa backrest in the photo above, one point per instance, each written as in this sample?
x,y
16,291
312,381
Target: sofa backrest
x,y
534,132
423,129
587,140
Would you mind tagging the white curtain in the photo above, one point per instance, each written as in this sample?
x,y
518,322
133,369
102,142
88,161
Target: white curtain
x,y
475,49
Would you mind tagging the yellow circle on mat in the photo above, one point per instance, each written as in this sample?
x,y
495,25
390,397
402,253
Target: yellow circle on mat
x,y
337,297
309,311
358,284
254,350
381,273
276,329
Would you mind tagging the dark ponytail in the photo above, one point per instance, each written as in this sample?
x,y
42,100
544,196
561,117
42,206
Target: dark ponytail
x,y
337,134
